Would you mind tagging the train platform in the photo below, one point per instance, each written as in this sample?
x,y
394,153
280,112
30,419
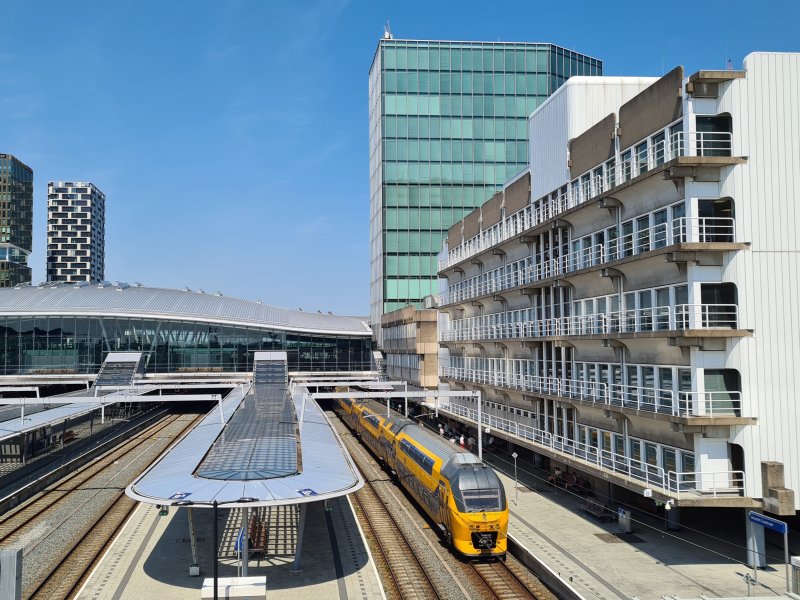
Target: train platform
x,y
600,563
150,558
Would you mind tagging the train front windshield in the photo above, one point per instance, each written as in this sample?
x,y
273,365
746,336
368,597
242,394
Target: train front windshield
x,y
482,500
478,490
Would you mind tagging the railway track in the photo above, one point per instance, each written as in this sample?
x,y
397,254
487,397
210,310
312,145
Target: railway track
x,y
61,542
79,560
397,559
508,580
19,519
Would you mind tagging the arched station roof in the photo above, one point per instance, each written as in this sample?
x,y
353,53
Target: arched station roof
x,y
119,299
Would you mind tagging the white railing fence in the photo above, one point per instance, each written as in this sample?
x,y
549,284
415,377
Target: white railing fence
x,y
659,318
648,399
715,483
532,269
700,143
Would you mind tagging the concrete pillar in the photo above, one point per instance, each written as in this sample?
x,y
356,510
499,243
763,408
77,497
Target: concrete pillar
x,y
756,546
11,574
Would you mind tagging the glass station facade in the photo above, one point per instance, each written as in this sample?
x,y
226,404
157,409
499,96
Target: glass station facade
x,y
78,344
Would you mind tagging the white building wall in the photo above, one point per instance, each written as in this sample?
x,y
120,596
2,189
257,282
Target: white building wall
x,y
572,109
766,129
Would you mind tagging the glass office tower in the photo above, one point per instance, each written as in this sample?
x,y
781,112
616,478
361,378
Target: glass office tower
x,y
16,220
448,126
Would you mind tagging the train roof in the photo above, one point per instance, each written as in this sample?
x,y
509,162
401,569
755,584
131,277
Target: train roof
x,y
440,446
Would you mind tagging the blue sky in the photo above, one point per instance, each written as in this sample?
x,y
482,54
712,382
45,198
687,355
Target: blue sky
x,y
230,137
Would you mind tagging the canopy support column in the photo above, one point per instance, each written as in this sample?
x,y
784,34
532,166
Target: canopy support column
x,y
194,568
245,544
301,526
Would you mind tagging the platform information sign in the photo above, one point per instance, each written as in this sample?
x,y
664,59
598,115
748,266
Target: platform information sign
x,y
239,541
768,522
777,526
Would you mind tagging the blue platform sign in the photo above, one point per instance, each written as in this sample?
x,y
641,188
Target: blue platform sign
x,y
768,522
239,541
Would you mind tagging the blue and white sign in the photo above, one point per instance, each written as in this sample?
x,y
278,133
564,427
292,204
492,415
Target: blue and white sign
x,y
180,495
240,541
307,492
768,522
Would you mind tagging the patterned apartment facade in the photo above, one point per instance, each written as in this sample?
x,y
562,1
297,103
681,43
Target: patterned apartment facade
x,y
625,304
76,216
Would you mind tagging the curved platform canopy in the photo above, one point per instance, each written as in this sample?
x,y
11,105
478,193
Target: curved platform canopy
x,y
121,299
274,449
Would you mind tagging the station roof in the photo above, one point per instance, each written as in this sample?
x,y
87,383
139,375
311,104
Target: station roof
x,y
121,299
183,473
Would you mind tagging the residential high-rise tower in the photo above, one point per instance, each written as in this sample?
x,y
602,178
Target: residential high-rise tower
x,y
16,220
448,126
76,216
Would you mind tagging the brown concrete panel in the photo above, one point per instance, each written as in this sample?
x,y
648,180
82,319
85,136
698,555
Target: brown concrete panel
x,y
454,235
518,194
593,146
651,109
472,223
491,210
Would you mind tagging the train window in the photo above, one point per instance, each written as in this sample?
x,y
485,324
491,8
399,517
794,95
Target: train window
x,y
371,419
417,456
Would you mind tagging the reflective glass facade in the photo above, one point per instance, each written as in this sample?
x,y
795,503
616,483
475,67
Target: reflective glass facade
x,y
16,220
448,126
72,344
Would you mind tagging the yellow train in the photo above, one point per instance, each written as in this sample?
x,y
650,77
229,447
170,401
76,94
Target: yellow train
x,y
461,494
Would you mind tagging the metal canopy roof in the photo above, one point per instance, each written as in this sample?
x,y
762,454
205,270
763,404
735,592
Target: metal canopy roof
x,y
327,469
36,419
147,302
261,440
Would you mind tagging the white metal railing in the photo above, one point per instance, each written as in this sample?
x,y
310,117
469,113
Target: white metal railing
x,y
643,398
710,404
658,318
525,271
717,483
698,143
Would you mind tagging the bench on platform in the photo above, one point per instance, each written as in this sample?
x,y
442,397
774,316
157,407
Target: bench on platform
x,y
257,535
598,509
570,481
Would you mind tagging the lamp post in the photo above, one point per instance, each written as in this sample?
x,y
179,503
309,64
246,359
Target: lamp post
x,y
216,573
480,428
516,487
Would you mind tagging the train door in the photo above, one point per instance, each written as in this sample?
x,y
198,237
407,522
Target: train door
x,y
444,513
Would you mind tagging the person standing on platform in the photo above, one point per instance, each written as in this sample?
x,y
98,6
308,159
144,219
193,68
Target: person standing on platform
x,y
441,430
461,440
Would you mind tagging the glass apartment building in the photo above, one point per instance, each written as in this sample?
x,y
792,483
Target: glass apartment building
x,y
448,126
16,220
